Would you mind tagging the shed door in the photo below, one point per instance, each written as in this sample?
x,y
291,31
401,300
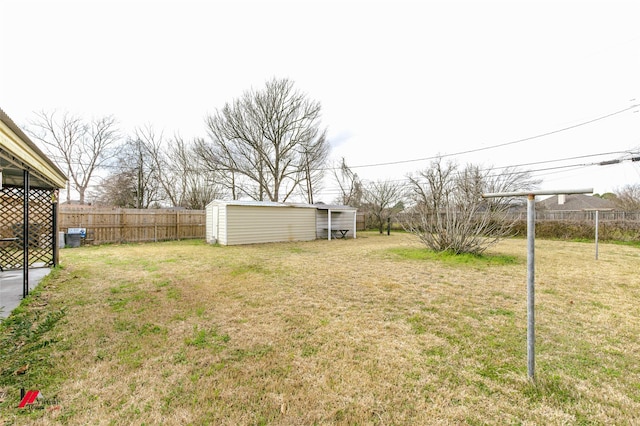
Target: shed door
x,y
214,223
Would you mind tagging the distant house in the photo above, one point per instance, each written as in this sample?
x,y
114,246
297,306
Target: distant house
x,y
574,202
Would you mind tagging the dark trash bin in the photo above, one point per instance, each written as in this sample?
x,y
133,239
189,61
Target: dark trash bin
x,y
72,240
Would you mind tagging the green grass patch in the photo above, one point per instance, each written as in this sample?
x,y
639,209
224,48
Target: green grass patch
x,y
630,243
451,258
249,268
503,312
241,354
417,323
207,338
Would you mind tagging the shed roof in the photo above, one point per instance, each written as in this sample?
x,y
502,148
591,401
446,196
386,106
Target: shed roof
x,y
334,207
253,203
19,153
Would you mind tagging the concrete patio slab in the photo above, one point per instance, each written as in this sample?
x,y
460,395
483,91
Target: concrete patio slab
x,y
11,287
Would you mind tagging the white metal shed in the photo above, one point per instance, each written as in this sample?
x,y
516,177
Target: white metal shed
x,y
249,222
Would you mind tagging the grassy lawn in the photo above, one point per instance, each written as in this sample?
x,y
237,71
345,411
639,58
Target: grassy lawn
x,y
368,331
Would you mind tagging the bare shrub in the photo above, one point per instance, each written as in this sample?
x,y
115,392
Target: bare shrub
x,y
449,213
627,198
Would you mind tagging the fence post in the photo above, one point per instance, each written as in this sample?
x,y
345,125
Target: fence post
x,y
123,221
597,224
177,225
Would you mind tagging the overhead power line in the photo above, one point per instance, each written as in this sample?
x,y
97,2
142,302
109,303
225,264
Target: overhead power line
x,y
500,145
558,160
544,171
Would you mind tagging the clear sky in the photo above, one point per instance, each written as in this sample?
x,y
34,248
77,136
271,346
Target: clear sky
x,y
398,81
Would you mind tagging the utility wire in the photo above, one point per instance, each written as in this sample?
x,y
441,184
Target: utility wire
x,y
541,135
560,159
535,172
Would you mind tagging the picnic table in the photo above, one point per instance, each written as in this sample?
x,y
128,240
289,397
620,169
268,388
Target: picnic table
x,y
338,233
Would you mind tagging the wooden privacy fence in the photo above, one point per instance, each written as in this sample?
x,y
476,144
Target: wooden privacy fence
x,y
133,225
361,224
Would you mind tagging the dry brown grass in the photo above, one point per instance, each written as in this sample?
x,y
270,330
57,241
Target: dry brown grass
x,y
339,332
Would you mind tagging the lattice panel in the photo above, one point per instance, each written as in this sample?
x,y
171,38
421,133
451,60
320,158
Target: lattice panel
x,y
41,232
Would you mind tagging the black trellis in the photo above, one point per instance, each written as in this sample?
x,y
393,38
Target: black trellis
x,y
41,227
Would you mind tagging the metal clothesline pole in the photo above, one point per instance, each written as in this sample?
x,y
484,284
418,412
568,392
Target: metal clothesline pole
x,y
531,289
531,236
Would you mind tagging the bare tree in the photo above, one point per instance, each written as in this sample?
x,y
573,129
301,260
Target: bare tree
x,y
80,147
153,171
314,154
228,179
267,143
449,213
627,198
156,157
135,183
196,185
382,200
119,190
351,191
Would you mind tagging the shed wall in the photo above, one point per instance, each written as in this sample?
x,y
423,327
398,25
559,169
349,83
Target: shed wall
x,y
264,224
